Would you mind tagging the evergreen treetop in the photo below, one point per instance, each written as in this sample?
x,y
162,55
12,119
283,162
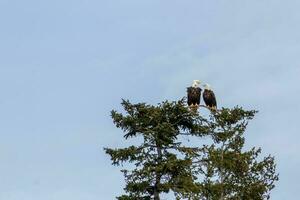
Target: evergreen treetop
x,y
165,163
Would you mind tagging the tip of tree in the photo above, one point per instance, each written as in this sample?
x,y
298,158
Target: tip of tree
x,y
194,108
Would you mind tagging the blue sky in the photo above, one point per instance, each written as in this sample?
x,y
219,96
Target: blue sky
x,y
65,64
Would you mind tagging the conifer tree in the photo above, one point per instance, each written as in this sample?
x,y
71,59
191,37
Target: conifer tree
x,y
164,162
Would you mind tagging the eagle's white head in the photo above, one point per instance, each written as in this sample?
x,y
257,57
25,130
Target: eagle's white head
x,y
207,86
196,83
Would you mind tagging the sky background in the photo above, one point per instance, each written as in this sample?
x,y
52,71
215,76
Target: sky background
x,y
65,64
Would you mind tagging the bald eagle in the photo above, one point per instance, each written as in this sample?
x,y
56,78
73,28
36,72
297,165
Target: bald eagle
x,y
194,95
209,97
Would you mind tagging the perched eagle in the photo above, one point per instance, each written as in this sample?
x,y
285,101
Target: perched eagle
x,y
209,97
194,95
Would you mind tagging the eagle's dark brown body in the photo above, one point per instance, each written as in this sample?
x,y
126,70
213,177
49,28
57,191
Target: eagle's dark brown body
x,y
193,96
210,99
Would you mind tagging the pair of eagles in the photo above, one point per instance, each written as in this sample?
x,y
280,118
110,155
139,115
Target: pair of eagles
x,y
194,96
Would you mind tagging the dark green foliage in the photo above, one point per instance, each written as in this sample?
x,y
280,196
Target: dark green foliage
x,y
163,163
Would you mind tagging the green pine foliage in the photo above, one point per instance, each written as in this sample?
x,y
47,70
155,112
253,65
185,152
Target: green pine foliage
x,y
164,163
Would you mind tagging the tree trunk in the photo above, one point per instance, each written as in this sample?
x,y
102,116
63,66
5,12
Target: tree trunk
x,y
221,173
157,175
156,195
